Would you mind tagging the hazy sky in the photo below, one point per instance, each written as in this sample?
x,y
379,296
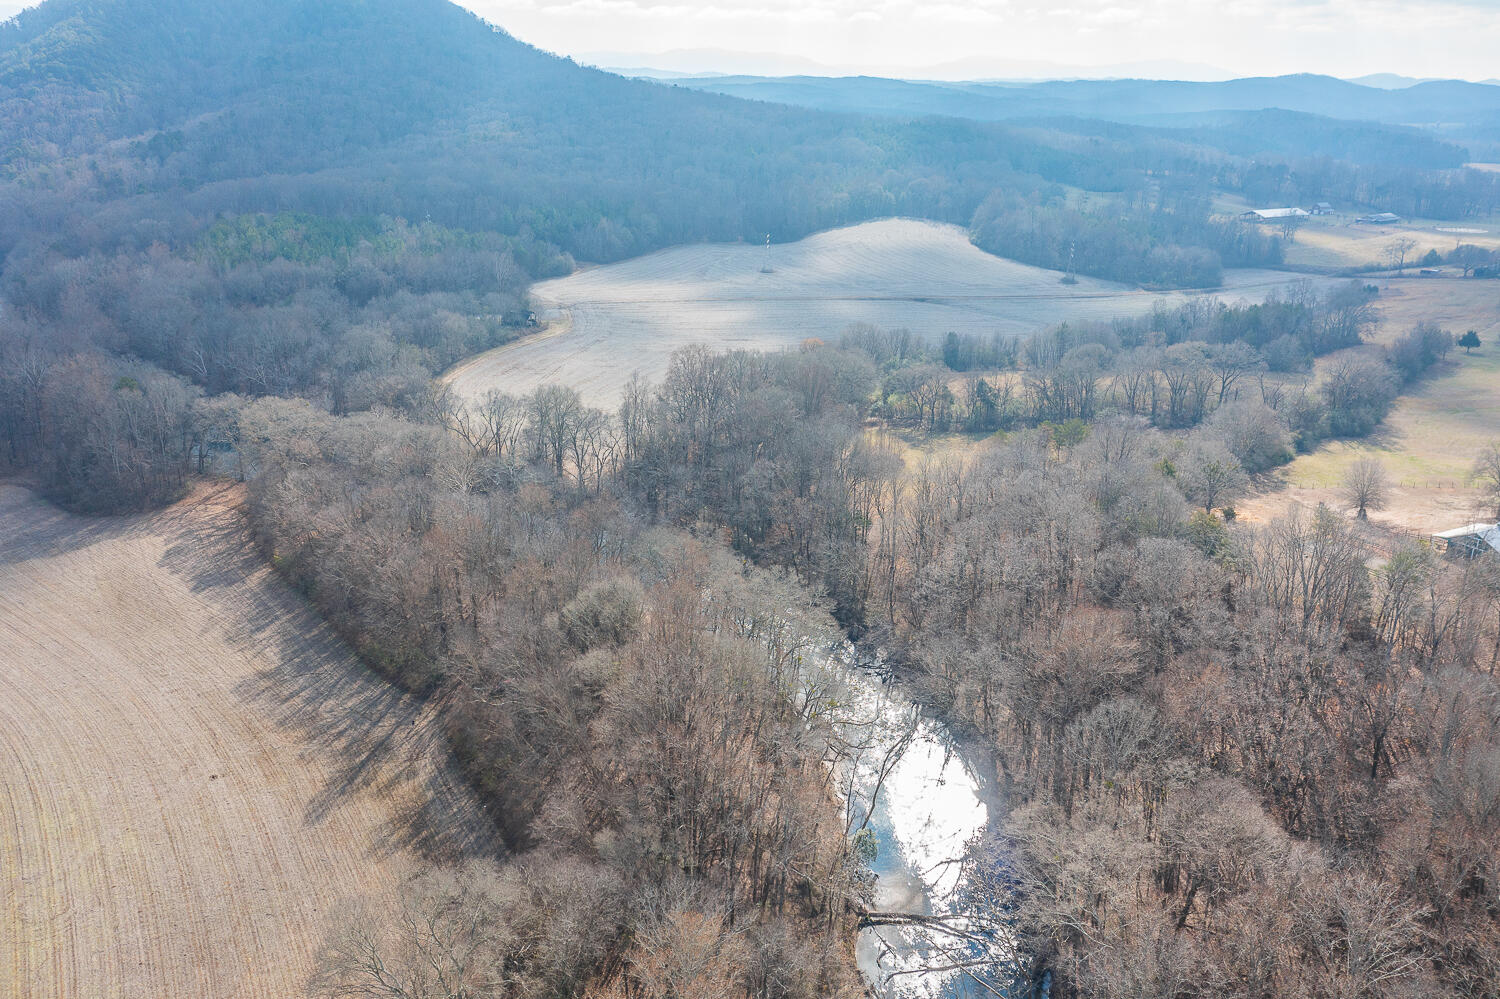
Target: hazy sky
x,y
1458,38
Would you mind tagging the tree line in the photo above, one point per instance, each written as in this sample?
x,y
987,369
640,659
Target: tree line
x,y
1236,374
640,704
1169,242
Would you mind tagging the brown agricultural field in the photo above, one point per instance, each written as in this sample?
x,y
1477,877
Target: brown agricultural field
x,y
194,773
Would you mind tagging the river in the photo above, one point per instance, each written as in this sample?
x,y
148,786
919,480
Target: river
x,y
933,805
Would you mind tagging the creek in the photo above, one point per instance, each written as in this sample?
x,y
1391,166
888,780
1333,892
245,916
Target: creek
x,y
934,801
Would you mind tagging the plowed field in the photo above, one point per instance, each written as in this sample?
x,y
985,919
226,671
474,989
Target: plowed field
x,y
193,770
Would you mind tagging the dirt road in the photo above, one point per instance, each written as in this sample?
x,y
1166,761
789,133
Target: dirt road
x,y
193,771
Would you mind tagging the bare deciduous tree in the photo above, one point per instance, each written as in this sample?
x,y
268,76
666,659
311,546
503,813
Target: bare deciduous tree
x,y
1485,474
1397,250
1365,486
449,939
1211,475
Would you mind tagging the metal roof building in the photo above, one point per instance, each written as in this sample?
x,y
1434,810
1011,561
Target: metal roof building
x,y
1469,540
1272,214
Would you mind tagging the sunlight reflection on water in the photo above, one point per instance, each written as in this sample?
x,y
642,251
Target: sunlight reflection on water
x,y
930,810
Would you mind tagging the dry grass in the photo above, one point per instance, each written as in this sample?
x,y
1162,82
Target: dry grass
x,y
195,771
913,445
1427,444
1331,242
927,277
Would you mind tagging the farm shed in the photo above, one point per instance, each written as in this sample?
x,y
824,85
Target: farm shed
x,y
1379,218
1322,208
1470,540
1274,214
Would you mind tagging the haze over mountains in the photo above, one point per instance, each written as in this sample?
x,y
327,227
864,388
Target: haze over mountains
x,y
1452,107
426,111
421,109
708,63
728,62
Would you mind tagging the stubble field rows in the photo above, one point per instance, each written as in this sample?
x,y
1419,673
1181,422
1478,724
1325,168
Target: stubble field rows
x,y
194,773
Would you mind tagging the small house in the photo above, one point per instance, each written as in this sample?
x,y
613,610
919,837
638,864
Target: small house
x,y
1321,208
1469,541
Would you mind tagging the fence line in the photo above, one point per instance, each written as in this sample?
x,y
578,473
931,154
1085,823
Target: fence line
x,y
1386,540
1433,484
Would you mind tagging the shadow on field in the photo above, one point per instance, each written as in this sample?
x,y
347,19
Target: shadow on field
x,y
374,741
31,527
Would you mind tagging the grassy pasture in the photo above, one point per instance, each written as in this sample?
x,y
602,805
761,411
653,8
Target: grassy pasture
x,y
1428,441
1335,241
1326,243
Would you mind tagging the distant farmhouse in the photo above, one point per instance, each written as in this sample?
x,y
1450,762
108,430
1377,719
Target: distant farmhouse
x,y
1321,208
1380,218
1274,214
1469,541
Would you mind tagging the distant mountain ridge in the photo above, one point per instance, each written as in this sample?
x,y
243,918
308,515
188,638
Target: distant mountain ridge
x,y
721,62
137,122
1454,111
1120,100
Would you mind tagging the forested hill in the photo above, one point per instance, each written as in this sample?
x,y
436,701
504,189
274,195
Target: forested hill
x,y
419,109
338,199
365,72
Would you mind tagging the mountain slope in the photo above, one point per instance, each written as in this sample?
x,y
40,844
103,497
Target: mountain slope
x,y
152,64
418,108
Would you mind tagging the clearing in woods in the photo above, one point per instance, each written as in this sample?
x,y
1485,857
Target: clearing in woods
x,y
193,771
1428,442
607,322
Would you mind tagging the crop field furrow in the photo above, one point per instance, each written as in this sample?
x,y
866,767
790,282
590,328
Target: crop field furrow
x,y
194,774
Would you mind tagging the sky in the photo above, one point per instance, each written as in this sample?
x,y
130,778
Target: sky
x,y
1446,38
972,39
